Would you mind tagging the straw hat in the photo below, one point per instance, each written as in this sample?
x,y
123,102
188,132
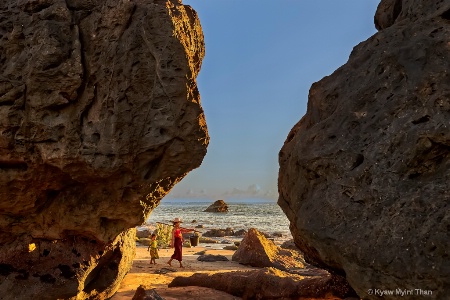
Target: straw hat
x,y
177,220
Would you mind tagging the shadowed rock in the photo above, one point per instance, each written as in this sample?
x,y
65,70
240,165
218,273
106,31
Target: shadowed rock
x,y
212,258
364,175
99,117
270,284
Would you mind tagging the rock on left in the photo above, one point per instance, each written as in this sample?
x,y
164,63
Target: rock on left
x,y
100,117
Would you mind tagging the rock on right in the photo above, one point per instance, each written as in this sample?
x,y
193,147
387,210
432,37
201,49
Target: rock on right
x,y
364,176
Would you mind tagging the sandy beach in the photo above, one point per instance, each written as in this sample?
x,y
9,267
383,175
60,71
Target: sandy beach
x,y
155,276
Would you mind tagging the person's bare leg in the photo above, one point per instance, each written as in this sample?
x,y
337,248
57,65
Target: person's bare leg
x,y
170,262
181,265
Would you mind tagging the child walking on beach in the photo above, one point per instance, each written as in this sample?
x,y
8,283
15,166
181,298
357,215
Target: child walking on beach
x,y
177,241
153,247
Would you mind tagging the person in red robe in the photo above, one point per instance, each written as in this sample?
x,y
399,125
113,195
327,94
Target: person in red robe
x,y
177,242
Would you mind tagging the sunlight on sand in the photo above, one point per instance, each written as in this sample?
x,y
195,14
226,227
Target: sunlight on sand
x,y
144,273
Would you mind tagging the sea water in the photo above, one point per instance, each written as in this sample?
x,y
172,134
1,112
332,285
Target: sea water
x,y
262,214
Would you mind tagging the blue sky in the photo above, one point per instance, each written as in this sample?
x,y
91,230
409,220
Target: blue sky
x,y
261,58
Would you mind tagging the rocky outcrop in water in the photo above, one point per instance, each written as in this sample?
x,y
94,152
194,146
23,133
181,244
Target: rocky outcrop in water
x,y
217,206
99,117
364,175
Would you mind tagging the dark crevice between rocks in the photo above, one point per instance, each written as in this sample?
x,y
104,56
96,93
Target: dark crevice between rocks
x,y
397,9
6,269
47,278
23,274
358,161
130,19
33,7
446,15
66,271
152,167
44,202
421,120
13,165
85,112
104,273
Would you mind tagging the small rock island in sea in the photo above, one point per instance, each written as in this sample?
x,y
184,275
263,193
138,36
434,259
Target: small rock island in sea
x,y
218,206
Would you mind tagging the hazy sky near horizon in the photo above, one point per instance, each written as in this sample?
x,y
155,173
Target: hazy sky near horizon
x,y
262,56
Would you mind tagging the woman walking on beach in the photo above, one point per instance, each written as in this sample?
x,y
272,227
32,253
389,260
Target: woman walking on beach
x,y
177,241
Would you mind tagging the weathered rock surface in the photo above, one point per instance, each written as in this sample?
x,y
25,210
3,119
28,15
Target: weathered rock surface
x,y
270,284
99,117
257,251
217,206
364,175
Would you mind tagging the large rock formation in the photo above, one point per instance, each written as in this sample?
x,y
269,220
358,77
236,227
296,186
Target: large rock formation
x,y
99,117
364,175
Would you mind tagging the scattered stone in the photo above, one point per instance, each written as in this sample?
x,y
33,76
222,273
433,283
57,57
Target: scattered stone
x,y
146,233
218,206
199,226
194,221
240,232
145,293
237,243
277,234
364,175
257,251
230,247
270,283
211,258
205,240
165,271
200,252
226,242
289,244
219,232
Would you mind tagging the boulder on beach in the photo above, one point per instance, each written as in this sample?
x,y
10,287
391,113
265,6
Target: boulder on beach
x,y
212,258
145,233
240,232
146,293
206,240
364,175
219,232
218,206
289,244
230,247
100,117
257,251
271,283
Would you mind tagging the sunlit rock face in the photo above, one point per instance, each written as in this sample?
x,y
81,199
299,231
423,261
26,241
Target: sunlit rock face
x,y
99,117
364,175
